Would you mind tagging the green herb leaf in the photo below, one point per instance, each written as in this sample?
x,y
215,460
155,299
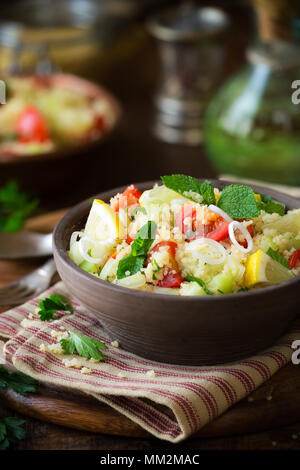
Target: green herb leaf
x,y
11,431
144,239
243,289
208,194
52,304
131,264
2,431
184,184
268,205
134,262
17,381
157,268
275,255
200,282
84,345
238,202
15,207
4,444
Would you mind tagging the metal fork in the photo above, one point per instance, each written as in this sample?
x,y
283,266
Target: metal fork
x,y
29,286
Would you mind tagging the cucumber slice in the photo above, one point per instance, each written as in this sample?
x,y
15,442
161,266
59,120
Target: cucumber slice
x,y
191,288
109,270
222,283
89,267
133,282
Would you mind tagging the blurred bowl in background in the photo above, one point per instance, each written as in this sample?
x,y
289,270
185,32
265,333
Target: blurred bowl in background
x,y
41,172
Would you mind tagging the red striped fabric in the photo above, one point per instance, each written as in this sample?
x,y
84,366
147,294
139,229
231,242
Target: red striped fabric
x,y
175,403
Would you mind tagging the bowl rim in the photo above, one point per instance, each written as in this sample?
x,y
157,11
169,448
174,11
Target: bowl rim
x,y
66,260
70,150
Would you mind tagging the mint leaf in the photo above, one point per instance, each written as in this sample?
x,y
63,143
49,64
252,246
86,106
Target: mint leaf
x,y
144,239
208,194
238,202
52,304
275,255
130,263
268,205
84,345
17,381
200,282
184,184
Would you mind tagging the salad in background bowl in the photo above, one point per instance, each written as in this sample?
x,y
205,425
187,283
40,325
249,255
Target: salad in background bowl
x,y
187,238
49,116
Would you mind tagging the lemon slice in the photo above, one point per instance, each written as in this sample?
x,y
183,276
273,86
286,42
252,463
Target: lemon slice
x,y
261,268
103,223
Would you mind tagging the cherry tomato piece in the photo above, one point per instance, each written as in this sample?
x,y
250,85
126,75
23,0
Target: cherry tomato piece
x,y
130,196
220,232
99,123
173,278
188,224
31,126
294,259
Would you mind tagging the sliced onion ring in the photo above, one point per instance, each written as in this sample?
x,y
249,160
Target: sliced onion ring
x,y
84,248
220,212
74,237
234,225
205,258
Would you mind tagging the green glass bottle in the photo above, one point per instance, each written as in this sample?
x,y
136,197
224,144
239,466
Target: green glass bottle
x,y
252,126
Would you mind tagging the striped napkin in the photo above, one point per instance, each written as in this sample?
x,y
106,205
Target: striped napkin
x,y
169,401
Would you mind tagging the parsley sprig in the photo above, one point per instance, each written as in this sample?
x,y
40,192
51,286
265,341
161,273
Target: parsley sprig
x,y
84,346
184,184
15,207
11,431
134,262
52,304
16,381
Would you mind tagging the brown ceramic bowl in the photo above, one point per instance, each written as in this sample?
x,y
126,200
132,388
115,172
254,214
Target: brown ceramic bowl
x,y
179,330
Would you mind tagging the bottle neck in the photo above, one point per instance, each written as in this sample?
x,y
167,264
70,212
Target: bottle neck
x,y
276,55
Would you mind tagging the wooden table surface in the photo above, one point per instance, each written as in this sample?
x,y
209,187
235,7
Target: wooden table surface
x,y
135,155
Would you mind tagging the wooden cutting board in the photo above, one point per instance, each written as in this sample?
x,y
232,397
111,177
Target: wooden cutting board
x,y
76,410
